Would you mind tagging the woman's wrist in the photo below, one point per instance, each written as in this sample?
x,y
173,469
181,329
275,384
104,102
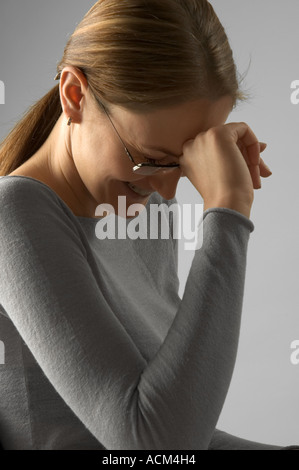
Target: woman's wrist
x,y
235,204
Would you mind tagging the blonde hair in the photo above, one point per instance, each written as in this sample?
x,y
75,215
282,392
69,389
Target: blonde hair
x,y
139,54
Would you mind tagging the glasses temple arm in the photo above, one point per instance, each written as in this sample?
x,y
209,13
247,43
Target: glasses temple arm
x,y
106,112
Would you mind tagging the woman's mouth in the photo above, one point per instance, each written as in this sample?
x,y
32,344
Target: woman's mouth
x,y
140,191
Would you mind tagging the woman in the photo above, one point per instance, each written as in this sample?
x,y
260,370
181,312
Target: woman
x,y
100,351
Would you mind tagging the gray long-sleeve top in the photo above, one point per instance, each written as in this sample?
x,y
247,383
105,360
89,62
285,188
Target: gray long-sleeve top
x,y
100,350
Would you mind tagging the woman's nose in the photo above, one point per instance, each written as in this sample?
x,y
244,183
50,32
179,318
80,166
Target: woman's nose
x,y
165,182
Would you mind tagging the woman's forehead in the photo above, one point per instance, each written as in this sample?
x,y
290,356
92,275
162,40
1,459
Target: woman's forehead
x,y
157,129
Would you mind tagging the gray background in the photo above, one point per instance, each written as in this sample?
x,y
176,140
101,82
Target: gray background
x,y
262,403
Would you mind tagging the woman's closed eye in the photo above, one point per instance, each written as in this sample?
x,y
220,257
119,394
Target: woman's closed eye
x,y
160,161
142,156
155,161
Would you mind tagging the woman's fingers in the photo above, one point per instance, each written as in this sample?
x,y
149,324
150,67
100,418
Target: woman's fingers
x,y
264,169
247,142
259,168
258,171
263,146
255,176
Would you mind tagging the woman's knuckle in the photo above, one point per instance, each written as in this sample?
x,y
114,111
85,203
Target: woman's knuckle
x,y
187,145
213,132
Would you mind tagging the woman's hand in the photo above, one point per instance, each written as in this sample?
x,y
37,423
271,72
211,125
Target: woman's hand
x,y
225,166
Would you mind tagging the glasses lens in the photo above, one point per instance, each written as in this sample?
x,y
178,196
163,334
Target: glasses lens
x,y
146,170
149,170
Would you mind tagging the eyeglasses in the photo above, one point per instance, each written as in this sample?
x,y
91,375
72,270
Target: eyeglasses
x,y
144,168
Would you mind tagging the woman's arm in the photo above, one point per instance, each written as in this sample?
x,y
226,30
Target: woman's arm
x,y
55,301
223,441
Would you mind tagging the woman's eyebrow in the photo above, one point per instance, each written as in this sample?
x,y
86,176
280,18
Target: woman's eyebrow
x,y
161,149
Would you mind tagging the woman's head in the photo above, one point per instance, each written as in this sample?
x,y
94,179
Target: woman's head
x,y
99,146
143,54
140,58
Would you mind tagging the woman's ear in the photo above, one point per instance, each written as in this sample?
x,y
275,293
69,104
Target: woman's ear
x,y
73,87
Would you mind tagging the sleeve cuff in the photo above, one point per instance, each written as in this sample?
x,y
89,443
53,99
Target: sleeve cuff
x,y
248,223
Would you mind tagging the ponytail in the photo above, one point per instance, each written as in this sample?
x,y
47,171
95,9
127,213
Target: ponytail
x,y
30,132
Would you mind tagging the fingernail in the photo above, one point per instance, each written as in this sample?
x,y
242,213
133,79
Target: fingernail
x,y
267,168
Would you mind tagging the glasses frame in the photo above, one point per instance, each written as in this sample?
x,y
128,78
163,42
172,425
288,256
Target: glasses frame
x,y
138,166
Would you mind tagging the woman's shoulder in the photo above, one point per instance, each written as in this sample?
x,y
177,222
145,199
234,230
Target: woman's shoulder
x,y
16,185
23,197
32,211
23,189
